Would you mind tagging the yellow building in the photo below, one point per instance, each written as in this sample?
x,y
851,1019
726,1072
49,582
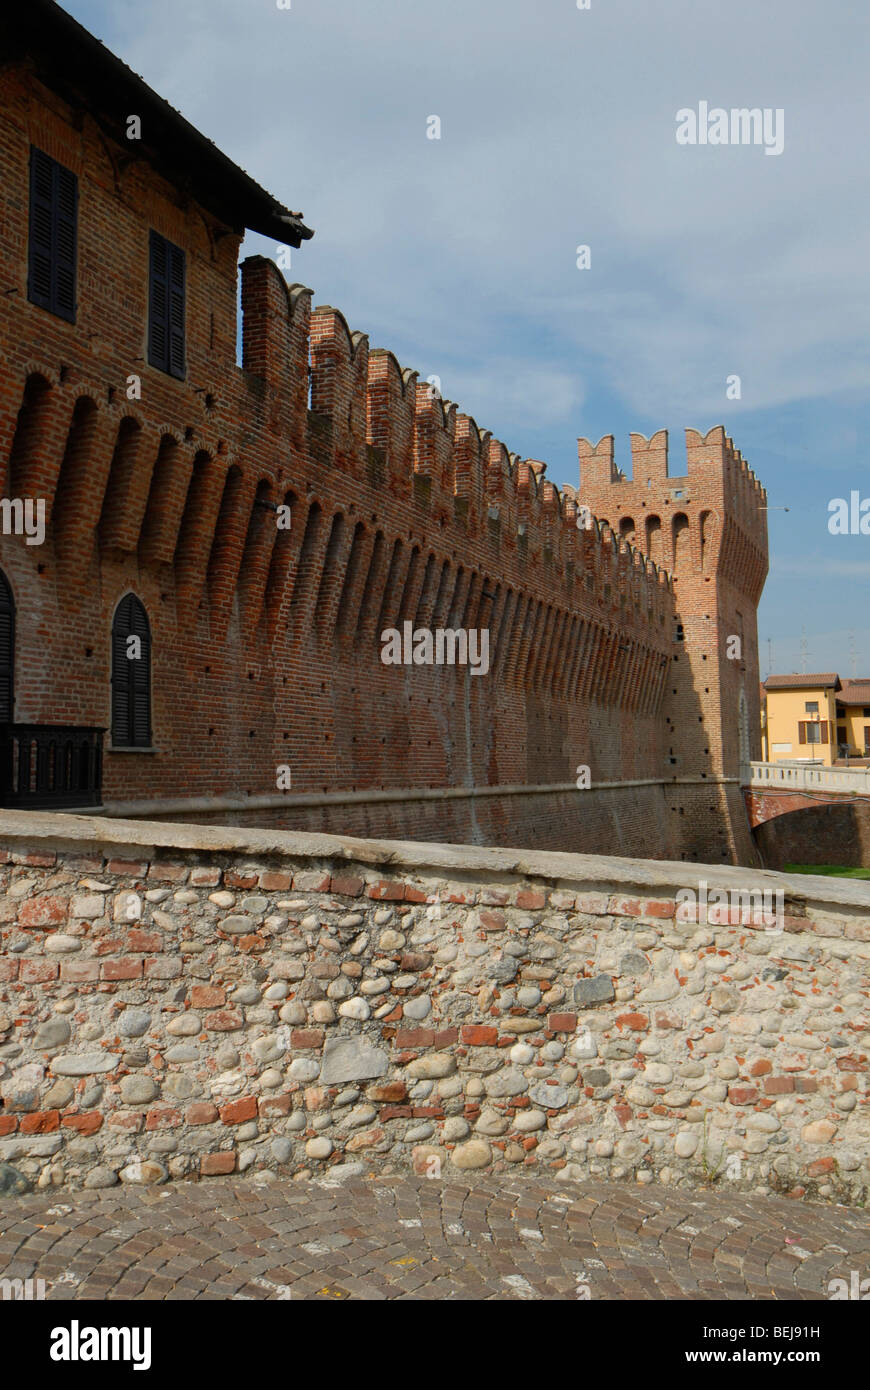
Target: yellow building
x,y
801,718
853,719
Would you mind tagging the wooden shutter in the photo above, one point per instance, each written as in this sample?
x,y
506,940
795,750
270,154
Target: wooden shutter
x,y
802,731
175,314
40,248
120,680
158,326
54,192
65,207
7,650
823,736
166,306
131,679
140,679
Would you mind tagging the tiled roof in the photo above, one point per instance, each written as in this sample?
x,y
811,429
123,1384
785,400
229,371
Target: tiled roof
x,y
855,693
803,682
81,69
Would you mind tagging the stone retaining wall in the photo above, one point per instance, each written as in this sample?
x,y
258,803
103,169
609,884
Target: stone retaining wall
x,y
181,1001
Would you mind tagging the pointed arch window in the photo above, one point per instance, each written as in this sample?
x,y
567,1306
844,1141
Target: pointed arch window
x,y
131,675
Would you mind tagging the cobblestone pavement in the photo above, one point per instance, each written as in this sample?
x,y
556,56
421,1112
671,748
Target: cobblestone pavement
x,y
404,1237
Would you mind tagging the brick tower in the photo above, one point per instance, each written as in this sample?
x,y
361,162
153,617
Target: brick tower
x,y
708,528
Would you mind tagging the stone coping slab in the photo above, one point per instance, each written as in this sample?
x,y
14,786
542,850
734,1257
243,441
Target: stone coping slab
x,y
80,833
189,807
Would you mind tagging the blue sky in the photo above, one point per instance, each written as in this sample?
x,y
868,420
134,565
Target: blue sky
x,y
558,129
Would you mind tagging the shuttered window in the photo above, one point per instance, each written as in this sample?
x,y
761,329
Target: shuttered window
x,y
809,731
51,270
7,649
131,675
166,294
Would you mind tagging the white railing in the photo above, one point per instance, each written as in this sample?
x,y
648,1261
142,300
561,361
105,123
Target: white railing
x,y
809,777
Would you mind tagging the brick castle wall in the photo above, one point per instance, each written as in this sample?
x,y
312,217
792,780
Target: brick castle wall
x,y
697,822
266,650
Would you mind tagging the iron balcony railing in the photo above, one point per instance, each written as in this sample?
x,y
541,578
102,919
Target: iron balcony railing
x,y
48,766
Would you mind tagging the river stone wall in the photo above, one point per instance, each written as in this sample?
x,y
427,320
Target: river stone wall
x,y
181,1001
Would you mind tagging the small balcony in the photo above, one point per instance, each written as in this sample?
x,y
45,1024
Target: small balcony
x,y
49,767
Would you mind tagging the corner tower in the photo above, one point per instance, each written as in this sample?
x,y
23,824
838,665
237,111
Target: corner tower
x,y
708,527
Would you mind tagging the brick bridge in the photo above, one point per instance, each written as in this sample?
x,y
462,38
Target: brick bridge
x,y
774,789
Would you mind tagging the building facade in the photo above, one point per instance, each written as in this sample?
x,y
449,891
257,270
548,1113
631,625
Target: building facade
x,y
200,559
817,718
853,719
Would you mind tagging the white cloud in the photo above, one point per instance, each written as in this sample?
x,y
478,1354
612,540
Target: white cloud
x,y
558,129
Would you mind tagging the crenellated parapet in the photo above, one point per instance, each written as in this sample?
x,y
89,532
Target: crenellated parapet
x,y
649,457
470,455
339,370
434,434
390,415
710,517
276,328
597,467
360,412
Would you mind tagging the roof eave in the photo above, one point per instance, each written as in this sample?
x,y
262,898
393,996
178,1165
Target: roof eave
x,y
76,64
